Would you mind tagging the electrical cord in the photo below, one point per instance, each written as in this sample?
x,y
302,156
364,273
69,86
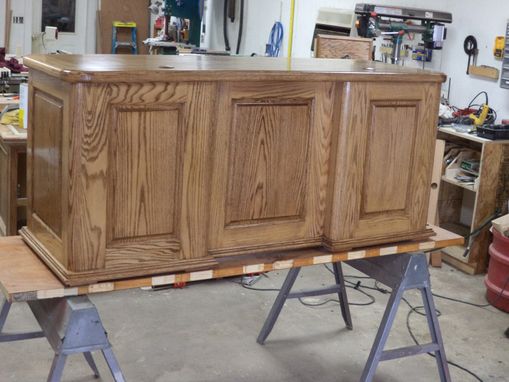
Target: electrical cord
x,y
370,302
225,27
275,40
465,119
241,26
413,309
417,310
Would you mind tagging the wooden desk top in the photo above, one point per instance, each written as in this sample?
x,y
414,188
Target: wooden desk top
x,y
23,277
11,134
143,68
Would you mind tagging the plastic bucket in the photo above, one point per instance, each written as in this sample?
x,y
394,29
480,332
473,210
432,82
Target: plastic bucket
x,y
498,272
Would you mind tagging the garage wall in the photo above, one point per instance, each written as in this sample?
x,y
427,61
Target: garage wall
x,y
2,23
260,15
484,22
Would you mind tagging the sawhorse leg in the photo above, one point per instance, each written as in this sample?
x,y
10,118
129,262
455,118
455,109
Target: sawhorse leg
x,y
401,273
285,294
71,325
11,337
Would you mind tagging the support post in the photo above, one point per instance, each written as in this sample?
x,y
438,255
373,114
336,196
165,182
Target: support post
x,y
11,337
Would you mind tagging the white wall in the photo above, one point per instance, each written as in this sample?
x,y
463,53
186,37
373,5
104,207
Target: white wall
x,y
484,22
469,17
20,39
260,15
21,34
2,23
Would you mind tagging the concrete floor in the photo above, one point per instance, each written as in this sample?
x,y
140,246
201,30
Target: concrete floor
x,y
207,331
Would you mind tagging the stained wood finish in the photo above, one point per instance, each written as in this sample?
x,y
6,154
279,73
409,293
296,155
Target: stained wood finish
x,y
489,196
383,164
355,48
268,182
12,179
47,161
141,69
167,175
23,277
4,188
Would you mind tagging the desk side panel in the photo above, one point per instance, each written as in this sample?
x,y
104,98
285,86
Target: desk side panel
x,y
49,118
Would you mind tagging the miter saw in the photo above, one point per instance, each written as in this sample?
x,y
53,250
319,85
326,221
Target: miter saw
x,y
376,20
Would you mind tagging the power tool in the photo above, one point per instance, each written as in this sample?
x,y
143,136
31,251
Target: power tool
x,y
375,20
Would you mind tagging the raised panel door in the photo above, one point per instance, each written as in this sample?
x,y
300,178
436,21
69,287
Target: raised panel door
x,y
271,154
383,165
143,167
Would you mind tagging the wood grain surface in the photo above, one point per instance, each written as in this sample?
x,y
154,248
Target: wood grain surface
x,y
251,156
141,178
269,156
485,204
345,47
47,160
384,162
268,188
140,68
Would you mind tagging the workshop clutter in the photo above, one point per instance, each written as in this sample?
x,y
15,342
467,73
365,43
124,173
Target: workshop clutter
x,y
497,279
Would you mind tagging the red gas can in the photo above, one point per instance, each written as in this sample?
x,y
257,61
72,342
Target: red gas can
x,y
497,279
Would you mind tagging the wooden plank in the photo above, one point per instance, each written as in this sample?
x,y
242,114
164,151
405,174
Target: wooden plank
x,y
454,256
23,277
11,134
484,71
355,48
485,203
435,181
470,137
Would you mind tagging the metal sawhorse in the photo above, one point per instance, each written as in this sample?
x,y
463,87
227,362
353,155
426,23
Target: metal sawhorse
x,y
71,325
285,294
401,273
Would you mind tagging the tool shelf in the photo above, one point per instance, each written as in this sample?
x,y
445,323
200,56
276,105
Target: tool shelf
x,y
464,207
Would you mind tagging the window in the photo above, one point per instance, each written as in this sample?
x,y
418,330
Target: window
x,y
60,14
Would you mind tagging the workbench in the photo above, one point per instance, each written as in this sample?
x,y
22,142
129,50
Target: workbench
x,y
464,207
13,180
72,324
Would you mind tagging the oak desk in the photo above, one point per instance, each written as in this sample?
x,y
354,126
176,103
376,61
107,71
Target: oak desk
x,y
23,277
13,201
142,165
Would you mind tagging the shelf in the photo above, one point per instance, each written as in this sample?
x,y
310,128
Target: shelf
x,y
466,186
457,228
454,256
22,202
470,137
